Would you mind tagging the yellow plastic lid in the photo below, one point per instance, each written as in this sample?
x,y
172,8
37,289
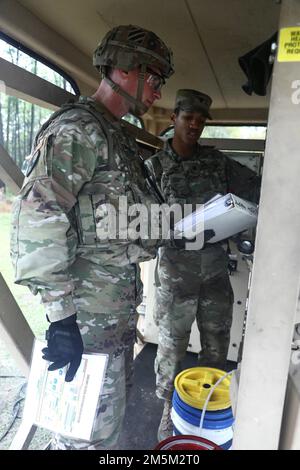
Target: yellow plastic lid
x,y
193,386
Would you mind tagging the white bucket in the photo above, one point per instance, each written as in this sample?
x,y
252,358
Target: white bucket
x,y
222,437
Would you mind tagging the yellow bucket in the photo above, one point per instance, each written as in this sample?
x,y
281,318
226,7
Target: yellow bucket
x,y
193,386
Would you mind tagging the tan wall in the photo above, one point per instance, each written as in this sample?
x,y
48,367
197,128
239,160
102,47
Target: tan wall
x,y
157,119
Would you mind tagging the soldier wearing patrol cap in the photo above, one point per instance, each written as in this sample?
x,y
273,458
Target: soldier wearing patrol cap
x,y
194,101
192,284
82,161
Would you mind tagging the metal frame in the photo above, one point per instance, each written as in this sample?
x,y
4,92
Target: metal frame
x,y
18,45
25,85
276,272
242,145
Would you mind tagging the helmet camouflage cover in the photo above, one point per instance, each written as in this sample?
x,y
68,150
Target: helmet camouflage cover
x,y
128,47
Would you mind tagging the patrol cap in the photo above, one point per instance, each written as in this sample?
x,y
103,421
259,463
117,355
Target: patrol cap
x,y
193,100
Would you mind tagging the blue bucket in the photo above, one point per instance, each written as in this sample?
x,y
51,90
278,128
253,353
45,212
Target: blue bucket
x,y
217,425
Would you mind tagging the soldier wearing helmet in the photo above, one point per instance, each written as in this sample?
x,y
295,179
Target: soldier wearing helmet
x,y
136,51
83,160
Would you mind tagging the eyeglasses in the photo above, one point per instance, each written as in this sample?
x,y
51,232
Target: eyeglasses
x,y
155,81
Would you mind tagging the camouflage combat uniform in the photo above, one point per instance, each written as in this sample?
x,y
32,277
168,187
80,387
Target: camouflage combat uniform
x,y
194,284
83,159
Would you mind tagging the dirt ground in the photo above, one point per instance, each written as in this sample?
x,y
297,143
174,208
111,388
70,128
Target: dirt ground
x,y
12,393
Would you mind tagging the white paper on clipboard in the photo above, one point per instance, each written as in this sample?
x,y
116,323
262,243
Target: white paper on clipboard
x,y
66,408
227,215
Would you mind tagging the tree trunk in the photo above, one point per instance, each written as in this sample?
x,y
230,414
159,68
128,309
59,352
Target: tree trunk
x,y
32,120
1,126
8,124
18,130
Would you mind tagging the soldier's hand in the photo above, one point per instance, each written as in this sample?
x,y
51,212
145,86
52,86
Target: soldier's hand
x,y
208,234
180,242
64,346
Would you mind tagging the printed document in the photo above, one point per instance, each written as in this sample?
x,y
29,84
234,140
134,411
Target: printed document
x,y
66,408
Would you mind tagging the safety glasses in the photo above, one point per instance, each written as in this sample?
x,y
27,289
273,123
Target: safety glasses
x,y
154,80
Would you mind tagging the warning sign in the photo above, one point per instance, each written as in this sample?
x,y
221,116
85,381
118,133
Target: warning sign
x,y
289,45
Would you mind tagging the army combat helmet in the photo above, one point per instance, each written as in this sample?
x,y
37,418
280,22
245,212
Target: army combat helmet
x,y
128,47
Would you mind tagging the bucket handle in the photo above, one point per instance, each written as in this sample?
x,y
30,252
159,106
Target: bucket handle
x,y
209,397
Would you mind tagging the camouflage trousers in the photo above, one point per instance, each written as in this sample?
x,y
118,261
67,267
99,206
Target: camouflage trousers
x,y
113,335
191,288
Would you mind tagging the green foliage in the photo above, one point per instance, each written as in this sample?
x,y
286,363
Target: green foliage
x,y
19,119
20,122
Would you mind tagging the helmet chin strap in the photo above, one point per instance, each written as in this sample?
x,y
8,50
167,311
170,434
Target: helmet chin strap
x,y
138,105
140,88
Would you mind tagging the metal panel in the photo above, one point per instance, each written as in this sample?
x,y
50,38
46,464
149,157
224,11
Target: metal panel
x,y
276,271
237,115
25,85
245,145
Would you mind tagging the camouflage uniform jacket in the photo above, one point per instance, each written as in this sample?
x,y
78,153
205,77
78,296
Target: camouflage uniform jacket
x,y
199,178
83,159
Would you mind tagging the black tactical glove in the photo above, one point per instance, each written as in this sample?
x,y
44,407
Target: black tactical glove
x,y
64,346
180,242
208,234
